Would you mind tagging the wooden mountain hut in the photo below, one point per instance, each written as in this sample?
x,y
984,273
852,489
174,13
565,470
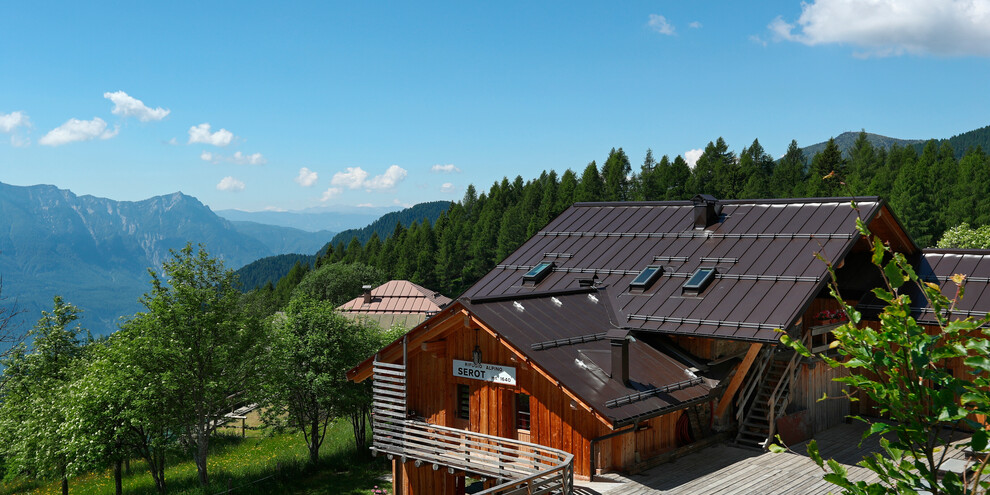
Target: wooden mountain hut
x,y
624,334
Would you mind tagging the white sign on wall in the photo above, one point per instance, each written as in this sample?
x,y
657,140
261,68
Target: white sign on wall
x,y
506,375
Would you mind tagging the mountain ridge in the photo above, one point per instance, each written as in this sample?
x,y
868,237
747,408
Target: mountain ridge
x,y
95,252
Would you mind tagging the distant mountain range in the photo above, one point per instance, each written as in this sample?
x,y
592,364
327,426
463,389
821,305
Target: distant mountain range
x,y
845,142
960,142
273,268
333,218
95,252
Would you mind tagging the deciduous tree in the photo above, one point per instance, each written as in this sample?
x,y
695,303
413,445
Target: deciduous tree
x,y
201,343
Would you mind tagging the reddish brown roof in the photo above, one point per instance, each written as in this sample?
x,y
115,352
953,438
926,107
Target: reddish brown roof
x,y
398,297
763,251
938,266
585,367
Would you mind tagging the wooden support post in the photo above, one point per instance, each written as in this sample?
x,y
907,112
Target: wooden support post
x,y
243,426
737,379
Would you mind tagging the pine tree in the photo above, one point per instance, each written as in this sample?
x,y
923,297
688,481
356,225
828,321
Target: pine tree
x,y
676,179
862,164
716,171
591,187
566,191
614,174
650,187
788,176
824,163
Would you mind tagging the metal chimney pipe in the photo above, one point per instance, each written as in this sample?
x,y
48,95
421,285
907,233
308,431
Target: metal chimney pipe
x,y
620,355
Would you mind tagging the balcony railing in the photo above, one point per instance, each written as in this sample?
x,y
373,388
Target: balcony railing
x,y
517,467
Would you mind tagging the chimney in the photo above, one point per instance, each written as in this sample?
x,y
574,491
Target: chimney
x,y
620,354
367,293
706,210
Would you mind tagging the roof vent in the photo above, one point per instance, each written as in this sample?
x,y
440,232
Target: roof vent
x,y
645,279
706,210
538,272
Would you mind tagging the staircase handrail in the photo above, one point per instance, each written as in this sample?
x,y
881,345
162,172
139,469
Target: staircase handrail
x,y
752,381
783,385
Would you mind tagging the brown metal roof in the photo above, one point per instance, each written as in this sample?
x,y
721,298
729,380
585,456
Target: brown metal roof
x,y
398,297
585,367
763,251
938,266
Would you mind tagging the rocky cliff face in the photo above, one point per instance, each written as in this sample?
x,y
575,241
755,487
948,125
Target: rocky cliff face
x,y
95,252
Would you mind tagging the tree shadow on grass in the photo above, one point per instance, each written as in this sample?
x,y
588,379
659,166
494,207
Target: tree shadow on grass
x,y
343,471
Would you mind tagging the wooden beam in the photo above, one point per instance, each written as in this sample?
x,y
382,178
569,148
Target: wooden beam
x,y
434,347
737,379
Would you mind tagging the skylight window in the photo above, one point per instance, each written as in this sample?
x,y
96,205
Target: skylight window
x,y
646,277
538,272
699,280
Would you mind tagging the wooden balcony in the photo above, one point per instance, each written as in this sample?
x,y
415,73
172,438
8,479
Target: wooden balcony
x,y
517,467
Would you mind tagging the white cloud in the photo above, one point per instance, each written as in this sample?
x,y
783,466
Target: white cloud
x,y
306,177
330,194
201,134
127,106
388,180
274,208
447,187
659,24
365,205
893,27
78,130
238,158
11,121
357,178
252,159
445,169
352,178
691,156
229,183
695,25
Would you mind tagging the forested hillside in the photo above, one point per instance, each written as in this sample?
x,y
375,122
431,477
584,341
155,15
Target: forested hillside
x,y
270,269
963,142
386,224
929,190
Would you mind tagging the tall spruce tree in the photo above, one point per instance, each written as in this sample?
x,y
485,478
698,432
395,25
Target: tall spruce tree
x,y
591,187
615,173
823,164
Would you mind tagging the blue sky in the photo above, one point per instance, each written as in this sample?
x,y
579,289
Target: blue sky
x,y
285,105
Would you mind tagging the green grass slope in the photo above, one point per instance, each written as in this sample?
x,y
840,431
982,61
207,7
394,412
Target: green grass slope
x,y
258,464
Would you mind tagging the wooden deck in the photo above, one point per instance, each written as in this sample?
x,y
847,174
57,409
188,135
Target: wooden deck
x,y
729,470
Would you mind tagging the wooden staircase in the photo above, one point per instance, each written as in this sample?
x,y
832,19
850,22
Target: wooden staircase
x,y
754,429
766,398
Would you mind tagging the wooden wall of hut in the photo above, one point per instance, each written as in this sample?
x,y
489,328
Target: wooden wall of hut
x,y
708,348
423,480
556,419
655,436
814,380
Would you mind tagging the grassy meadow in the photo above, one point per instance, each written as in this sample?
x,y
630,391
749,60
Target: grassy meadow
x,y
258,463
